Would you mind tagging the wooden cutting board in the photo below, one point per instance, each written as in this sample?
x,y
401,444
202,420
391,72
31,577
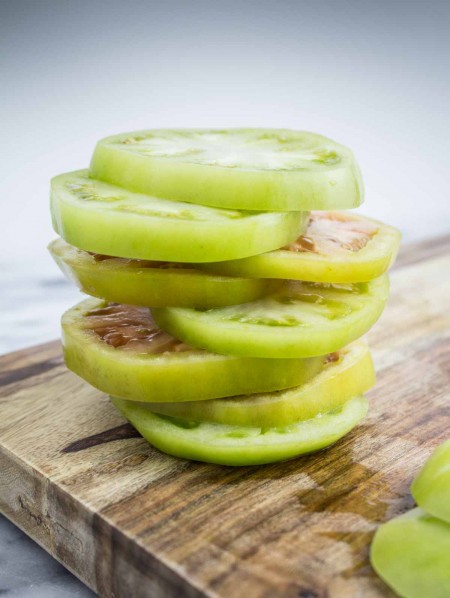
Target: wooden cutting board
x,y
132,522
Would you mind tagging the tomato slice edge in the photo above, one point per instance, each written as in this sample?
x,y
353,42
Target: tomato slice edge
x,y
234,448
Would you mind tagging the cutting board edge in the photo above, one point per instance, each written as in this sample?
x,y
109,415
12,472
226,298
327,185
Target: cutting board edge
x,y
32,490
106,579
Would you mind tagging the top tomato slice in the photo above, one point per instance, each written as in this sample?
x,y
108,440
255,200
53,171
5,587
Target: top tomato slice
x,y
336,247
301,319
251,169
101,218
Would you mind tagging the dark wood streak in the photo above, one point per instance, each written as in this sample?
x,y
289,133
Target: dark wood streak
x,y
118,433
30,371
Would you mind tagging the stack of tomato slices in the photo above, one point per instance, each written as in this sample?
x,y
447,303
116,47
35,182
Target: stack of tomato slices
x,y
230,289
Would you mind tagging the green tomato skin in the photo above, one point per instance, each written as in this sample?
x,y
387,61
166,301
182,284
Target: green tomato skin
x,y
324,187
356,266
411,553
185,376
351,314
112,221
431,488
331,386
136,283
239,445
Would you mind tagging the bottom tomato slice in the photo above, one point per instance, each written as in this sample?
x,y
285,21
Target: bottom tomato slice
x,y
411,553
241,445
154,284
120,350
345,374
301,319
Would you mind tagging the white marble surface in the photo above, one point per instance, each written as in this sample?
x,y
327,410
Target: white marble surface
x,y
27,571
32,297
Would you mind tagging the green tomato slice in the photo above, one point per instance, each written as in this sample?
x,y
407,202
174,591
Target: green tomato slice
x,y
345,374
336,247
248,169
101,218
411,553
154,284
431,488
120,350
301,319
241,445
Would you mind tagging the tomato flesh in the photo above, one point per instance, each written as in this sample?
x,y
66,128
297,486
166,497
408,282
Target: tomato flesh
x,y
431,488
248,169
108,220
411,553
336,247
120,350
302,319
344,374
154,284
241,445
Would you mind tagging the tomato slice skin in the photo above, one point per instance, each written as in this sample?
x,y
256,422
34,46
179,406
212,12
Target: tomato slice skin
x,y
190,375
240,445
349,374
411,553
108,220
300,320
431,488
278,169
338,264
154,284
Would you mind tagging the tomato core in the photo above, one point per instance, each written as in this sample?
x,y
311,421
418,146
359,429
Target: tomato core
x,y
328,232
131,328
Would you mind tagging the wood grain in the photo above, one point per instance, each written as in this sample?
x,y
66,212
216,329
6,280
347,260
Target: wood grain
x,y
132,522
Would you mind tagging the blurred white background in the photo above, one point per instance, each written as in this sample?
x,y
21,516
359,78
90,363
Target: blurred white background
x,y
372,75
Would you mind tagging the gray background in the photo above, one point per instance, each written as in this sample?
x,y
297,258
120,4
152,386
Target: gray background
x,y
373,75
